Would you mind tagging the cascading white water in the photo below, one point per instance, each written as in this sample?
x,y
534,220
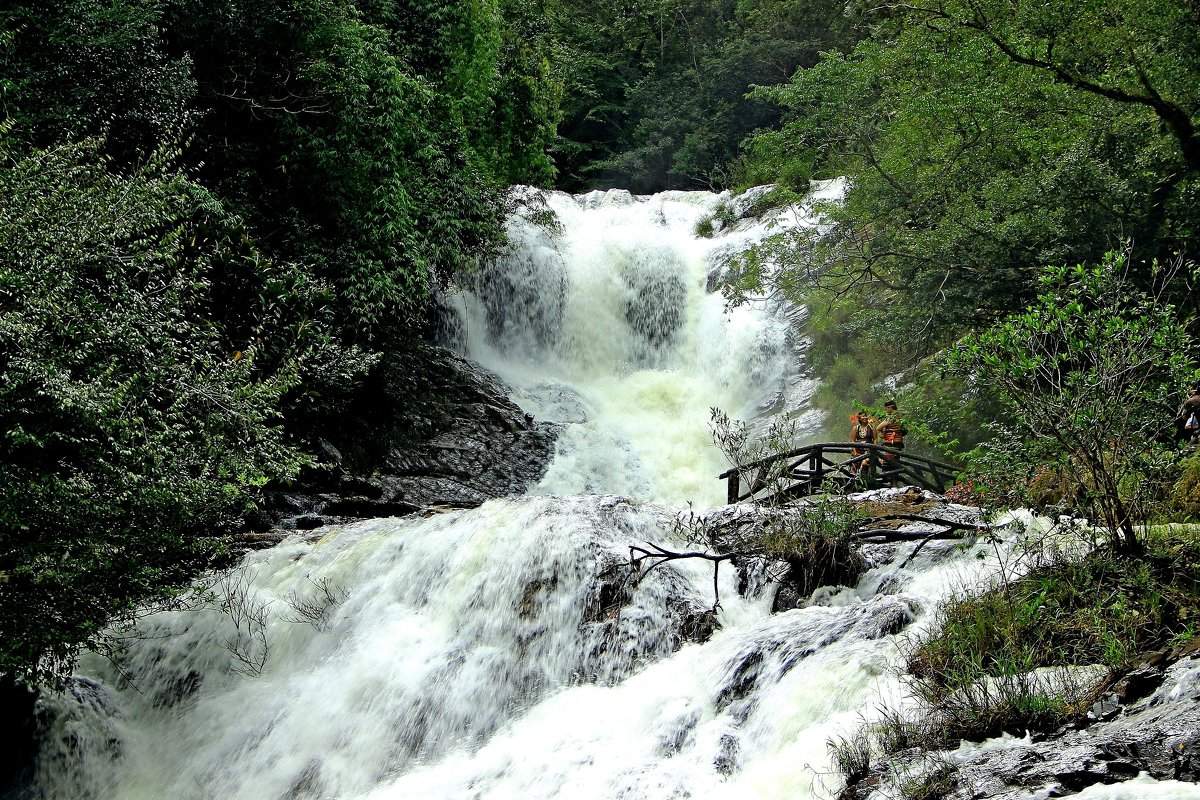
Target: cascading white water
x,y
501,652
476,655
609,328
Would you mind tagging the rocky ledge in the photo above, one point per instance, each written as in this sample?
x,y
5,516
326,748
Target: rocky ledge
x,y
1148,723
483,446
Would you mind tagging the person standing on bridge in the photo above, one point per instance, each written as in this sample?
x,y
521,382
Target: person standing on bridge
x,y
890,431
860,431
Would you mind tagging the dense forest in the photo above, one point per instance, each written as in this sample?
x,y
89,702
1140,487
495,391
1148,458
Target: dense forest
x,y
221,222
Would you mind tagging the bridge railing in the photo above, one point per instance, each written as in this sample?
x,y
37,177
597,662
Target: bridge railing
x,y
841,466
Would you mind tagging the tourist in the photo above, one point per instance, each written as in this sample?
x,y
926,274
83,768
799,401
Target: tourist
x,y
890,431
1187,421
860,431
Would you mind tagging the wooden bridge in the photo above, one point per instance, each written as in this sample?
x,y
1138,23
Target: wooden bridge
x,y
834,467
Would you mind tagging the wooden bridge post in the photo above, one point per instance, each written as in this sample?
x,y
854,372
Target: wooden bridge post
x,y
734,488
816,468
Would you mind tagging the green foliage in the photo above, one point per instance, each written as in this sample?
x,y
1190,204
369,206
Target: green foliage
x,y
980,143
776,197
852,755
1088,376
1184,499
656,89
948,413
80,68
932,784
336,154
133,431
527,99
720,218
373,141
1103,608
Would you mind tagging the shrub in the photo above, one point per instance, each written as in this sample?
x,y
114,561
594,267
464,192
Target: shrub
x,y
851,755
1185,493
135,422
935,782
722,217
1085,375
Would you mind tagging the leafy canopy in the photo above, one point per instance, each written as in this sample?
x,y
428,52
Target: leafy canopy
x,y
1089,374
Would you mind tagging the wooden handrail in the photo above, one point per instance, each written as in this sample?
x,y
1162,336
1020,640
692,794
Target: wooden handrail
x,y
837,447
876,464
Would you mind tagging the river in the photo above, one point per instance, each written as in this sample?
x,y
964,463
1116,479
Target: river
x,y
488,653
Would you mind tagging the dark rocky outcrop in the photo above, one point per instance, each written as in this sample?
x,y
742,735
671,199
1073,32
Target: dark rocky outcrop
x,y
483,446
16,758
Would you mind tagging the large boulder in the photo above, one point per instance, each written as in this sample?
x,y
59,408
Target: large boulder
x,y
482,446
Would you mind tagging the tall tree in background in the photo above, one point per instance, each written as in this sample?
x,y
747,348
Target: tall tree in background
x,y
360,140
656,89
984,138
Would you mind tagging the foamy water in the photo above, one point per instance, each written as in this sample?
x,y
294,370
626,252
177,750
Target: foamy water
x,y
502,652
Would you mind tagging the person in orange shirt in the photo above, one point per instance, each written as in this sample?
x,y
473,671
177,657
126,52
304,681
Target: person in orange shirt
x,y
890,431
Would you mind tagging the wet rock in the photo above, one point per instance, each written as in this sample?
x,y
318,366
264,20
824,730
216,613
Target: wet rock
x,y
80,724
19,729
621,636
1105,708
654,308
738,529
1138,683
611,198
524,293
728,756
797,635
556,402
788,596
485,447
1158,734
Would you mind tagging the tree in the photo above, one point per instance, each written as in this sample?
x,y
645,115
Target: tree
x,y
1089,374
1130,52
135,426
981,138
79,68
656,89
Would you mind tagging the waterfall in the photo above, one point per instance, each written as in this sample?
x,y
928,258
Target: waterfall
x,y
505,651
492,653
608,327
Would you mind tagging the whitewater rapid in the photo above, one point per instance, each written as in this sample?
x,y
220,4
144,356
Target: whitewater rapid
x,y
504,652
613,326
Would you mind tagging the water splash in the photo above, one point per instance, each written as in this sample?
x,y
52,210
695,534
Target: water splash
x,y
493,653
609,327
